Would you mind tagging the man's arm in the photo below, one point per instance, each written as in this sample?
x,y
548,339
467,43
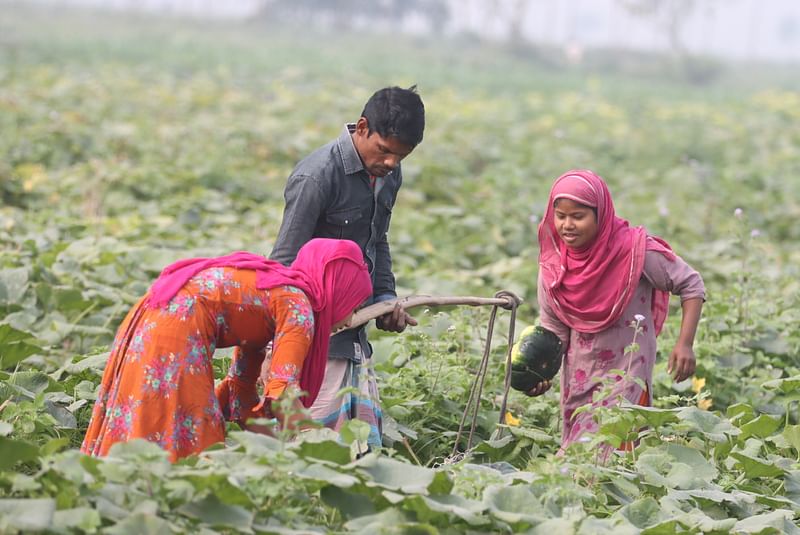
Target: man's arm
x,y
384,285
305,201
398,319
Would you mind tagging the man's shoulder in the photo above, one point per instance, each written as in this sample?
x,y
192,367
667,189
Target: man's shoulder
x,y
323,162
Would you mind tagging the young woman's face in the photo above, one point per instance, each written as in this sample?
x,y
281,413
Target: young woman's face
x,y
575,223
343,324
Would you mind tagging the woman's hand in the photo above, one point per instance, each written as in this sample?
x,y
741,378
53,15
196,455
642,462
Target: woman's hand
x,y
540,388
681,363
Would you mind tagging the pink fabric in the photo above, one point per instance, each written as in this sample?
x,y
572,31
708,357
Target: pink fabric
x,y
176,275
339,281
599,356
588,289
332,273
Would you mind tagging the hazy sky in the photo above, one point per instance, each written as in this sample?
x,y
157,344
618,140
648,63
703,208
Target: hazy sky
x,y
741,29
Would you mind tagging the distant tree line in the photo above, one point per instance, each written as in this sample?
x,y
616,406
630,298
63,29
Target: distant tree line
x,y
350,14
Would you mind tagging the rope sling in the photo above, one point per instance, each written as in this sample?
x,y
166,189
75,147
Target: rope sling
x,y
502,299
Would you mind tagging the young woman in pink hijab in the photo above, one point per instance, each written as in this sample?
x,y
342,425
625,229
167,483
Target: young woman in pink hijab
x,y
159,382
598,279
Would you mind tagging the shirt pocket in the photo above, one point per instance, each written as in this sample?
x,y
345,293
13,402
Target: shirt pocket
x,y
343,224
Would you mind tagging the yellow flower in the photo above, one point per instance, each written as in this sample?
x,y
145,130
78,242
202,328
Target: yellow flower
x,y
510,420
705,404
698,384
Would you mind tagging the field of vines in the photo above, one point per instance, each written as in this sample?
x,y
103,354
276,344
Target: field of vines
x,y
126,144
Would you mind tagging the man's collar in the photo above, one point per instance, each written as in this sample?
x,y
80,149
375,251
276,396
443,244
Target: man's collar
x,y
350,158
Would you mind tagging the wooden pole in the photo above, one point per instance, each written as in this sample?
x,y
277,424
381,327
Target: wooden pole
x,y
377,310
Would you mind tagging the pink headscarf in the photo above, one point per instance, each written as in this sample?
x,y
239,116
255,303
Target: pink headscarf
x,y
590,288
331,273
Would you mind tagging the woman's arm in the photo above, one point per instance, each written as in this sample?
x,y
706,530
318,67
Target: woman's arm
x,y
679,278
682,361
548,320
294,333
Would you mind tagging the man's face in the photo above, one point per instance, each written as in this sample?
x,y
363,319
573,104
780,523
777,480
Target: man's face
x,y
378,154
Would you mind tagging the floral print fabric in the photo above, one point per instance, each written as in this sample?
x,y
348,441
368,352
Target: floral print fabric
x,y
594,358
159,383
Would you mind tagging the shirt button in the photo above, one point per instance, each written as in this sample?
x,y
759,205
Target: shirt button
x,y
346,221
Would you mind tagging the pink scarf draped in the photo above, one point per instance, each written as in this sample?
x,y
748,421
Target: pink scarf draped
x,y
332,274
590,288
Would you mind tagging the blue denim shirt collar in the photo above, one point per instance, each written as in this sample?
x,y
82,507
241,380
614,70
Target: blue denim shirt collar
x,y
350,158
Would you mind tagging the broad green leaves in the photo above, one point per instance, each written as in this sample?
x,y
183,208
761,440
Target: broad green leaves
x,y
15,346
121,159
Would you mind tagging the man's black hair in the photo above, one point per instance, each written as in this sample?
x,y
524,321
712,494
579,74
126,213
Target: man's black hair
x,y
396,112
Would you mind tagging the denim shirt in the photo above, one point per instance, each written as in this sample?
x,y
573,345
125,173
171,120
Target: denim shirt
x,y
329,195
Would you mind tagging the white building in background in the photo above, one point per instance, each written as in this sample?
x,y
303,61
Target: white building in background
x,y
735,29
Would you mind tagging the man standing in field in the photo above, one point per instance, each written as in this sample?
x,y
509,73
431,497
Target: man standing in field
x,y
347,189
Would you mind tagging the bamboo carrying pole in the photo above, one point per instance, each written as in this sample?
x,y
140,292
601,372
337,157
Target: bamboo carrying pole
x,y
412,301
502,299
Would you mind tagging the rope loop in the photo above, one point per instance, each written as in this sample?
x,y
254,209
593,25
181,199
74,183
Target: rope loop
x,y
473,403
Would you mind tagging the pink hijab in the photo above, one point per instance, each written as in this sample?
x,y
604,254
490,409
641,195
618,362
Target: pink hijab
x,y
331,273
590,288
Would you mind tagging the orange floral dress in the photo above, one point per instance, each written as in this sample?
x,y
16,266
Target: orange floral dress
x,y
159,382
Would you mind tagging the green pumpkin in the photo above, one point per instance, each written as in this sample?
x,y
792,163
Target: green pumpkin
x,y
535,357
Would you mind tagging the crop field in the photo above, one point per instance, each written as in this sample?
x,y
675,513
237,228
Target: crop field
x,y
126,144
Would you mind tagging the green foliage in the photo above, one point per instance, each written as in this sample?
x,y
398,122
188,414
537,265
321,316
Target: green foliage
x,y
129,145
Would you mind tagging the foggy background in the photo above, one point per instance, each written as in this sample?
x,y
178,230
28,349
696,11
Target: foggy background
x,y
751,30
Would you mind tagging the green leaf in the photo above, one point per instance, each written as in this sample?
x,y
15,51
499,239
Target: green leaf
x,y
96,363
734,361
675,466
755,467
6,429
761,427
643,513
537,435
257,444
14,451
396,475
707,423
739,499
781,521
392,520
15,346
653,416
788,385
740,413
54,444
79,518
325,474
326,450
141,524
792,435
516,505
355,431
349,504
470,511
213,512
33,381
791,481
606,526
13,285
772,345
26,515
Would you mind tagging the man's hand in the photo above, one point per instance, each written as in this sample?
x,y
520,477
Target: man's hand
x,y
540,388
396,320
681,362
